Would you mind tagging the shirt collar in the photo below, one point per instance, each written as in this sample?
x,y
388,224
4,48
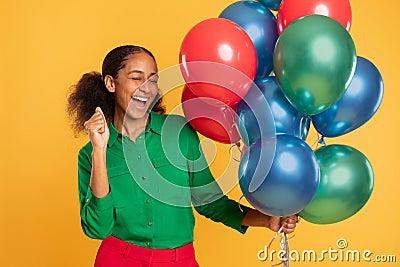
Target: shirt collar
x,y
155,125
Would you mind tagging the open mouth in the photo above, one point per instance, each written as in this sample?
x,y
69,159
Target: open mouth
x,y
139,101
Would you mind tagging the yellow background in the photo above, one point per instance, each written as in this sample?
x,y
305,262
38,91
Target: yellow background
x,y
47,45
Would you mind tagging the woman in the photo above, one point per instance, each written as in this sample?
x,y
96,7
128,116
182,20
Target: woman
x,y
142,170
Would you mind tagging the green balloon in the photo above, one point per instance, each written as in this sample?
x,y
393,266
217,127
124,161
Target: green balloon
x,y
314,62
346,183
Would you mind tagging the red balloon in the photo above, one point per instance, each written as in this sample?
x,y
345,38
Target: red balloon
x,y
290,10
218,60
215,122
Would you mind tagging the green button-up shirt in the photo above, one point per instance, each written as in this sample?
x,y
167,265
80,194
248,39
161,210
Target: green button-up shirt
x,y
154,182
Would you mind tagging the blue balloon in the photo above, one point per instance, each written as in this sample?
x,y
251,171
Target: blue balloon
x,y
358,104
287,119
289,185
272,4
260,24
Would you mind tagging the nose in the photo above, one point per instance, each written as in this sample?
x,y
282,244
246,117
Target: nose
x,y
148,86
145,87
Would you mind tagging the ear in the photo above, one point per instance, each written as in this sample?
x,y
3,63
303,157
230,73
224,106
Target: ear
x,y
110,84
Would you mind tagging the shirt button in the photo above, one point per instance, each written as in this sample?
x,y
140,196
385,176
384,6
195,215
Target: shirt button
x,y
148,201
148,243
143,177
150,223
138,156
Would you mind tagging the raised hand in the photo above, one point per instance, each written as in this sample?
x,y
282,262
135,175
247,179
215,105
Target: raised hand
x,y
97,129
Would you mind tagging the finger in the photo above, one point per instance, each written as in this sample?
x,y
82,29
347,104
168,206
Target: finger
x,y
289,228
288,231
104,125
98,109
95,126
92,130
289,225
294,219
291,219
96,118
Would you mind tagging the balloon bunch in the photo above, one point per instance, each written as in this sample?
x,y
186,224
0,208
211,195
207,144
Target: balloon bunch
x,y
318,79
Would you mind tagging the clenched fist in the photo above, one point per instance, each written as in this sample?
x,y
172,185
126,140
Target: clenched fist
x,y
97,129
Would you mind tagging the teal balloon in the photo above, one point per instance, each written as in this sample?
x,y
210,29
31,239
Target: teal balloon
x,y
271,4
314,62
346,184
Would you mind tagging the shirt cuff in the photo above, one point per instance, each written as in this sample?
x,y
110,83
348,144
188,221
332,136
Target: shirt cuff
x,y
102,203
241,228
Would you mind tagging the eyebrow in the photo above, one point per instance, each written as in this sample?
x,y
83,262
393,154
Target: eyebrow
x,y
141,72
136,71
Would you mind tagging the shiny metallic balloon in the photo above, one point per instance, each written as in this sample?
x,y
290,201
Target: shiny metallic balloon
x,y
271,4
347,180
358,104
287,119
260,24
289,185
314,62
210,117
290,10
218,60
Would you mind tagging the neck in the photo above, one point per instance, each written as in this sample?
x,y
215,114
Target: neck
x,y
131,127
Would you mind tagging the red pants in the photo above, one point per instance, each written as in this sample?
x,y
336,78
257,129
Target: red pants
x,y
114,252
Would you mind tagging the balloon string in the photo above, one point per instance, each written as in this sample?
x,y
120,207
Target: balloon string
x,y
232,118
237,145
276,235
284,245
320,141
240,206
315,144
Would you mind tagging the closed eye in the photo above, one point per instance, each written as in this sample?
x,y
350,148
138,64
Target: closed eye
x,y
153,80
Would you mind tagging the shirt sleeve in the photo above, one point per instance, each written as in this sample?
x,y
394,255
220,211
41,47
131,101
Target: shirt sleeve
x,y
97,214
207,197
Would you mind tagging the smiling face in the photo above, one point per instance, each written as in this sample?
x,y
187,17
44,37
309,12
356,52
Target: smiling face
x,y
136,86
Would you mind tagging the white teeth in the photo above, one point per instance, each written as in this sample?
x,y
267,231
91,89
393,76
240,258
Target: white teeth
x,y
140,98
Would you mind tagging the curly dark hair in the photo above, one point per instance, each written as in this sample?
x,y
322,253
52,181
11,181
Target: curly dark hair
x,y
90,91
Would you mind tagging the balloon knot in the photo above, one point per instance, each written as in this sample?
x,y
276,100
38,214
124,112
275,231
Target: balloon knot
x,y
322,141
